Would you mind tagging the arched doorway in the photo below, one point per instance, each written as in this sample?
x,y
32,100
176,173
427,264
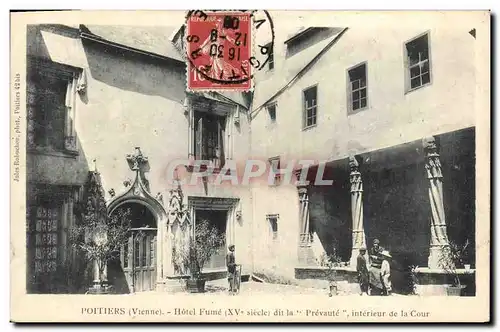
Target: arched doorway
x,y
136,270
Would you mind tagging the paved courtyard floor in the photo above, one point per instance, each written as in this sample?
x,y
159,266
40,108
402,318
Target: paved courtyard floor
x,y
252,288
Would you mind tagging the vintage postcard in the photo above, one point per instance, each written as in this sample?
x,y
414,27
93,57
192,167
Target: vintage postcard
x,y
250,166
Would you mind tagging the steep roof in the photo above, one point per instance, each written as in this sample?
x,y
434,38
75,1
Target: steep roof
x,y
159,41
154,40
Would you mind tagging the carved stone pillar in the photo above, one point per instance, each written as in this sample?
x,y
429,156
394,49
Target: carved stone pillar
x,y
439,236
306,254
356,188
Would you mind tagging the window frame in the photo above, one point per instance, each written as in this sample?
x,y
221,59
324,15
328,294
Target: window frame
x,y
305,109
220,122
38,69
407,74
268,106
349,90
195,105
274,234
276,171
271,62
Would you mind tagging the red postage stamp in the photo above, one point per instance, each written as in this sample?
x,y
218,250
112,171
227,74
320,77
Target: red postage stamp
x,y
219,50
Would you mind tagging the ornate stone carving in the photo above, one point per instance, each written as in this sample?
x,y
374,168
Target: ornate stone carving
x,y
112,192
137,160
432,164
439,236
159,197
356,189
355,175
139,163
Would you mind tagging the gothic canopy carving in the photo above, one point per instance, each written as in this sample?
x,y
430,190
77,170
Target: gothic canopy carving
x,y
138,191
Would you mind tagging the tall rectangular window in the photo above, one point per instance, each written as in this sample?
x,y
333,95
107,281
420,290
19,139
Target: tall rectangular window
x,y
418,62
273,225
310,106
270,48
51,94
43,241
358,91
275,171
209,138
271,110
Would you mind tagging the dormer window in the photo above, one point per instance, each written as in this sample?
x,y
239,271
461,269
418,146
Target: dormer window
x,y
307,37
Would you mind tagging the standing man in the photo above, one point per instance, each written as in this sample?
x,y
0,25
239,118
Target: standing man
x,y
231,268
363,274
375,254
375,281
385,272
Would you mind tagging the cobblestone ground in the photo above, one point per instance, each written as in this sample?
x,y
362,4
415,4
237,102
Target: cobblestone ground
x,y
251,288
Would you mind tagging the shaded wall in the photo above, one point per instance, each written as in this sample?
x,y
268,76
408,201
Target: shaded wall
x,y
397,211
330,215
459,187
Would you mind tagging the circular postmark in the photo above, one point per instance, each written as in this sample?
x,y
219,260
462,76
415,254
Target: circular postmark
x,y
220,49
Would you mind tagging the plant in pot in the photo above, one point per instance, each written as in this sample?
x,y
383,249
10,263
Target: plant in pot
x,y
450,260
413,279
206,241
97,241
331,261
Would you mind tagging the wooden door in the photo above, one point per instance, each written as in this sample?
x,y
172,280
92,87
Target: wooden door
x,y
138,258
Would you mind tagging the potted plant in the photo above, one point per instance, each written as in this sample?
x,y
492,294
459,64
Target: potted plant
x,y
413,279
450,259
99,243
331,262
206,241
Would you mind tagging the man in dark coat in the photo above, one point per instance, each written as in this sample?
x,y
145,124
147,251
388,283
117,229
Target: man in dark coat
x,y
376,254
231,267
375,265
363,274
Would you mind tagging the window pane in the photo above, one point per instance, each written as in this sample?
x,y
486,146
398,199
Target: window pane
x,y
355,95
363,93
426,78
414,71
415,83
362,82
355,84
363,102
424,53
425,67
309,122
355,105
413,58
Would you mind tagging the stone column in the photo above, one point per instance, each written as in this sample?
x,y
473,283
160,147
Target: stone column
x,y
306,255
358,231
439,237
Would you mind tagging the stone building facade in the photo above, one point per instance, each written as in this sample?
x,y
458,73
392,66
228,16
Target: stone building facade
x,y
388,120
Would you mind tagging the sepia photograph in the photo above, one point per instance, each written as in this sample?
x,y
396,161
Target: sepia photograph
x,y
238,155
